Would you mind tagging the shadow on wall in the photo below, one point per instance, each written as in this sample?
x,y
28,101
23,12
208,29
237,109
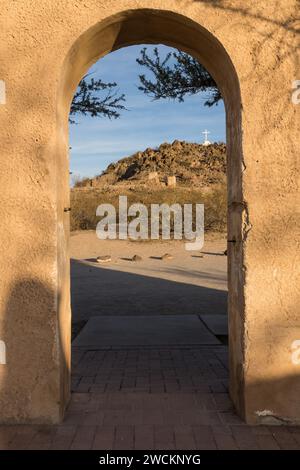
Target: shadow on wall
x,y
273,34
29,379
249,11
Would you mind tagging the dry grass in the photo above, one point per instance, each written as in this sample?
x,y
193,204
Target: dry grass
x,y
85,201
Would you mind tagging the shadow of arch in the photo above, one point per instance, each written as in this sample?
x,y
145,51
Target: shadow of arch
x,y
150,26
111,292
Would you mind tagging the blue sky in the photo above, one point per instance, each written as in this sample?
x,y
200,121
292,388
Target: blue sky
x,y
96,142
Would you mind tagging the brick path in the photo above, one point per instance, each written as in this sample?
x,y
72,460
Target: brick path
x,y
150,399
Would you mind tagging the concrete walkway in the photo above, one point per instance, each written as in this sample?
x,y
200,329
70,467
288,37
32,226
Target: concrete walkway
x,y
144,330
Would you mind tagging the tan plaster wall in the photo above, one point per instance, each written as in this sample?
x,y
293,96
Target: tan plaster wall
x,y
251,50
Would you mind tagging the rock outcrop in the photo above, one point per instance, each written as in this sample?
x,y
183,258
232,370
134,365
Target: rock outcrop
x,y
189,163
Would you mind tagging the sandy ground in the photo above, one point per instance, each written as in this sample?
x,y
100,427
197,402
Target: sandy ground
x,y
186,284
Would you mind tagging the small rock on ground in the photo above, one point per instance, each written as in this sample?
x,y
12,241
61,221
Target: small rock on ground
x,y
103,259
166,257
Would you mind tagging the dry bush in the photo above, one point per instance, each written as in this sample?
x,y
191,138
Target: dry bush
x,y
85,201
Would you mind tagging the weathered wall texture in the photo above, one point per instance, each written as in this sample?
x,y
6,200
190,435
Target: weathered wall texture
x,y
251,50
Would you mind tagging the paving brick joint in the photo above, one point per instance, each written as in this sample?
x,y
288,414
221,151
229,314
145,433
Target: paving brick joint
x,y
165,398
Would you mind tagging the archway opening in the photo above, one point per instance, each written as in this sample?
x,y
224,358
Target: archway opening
x,y
155,27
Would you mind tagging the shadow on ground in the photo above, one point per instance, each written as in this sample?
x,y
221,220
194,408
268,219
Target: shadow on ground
x,y
97,290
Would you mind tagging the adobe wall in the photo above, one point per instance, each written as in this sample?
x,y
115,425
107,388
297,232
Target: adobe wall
x,y
250,48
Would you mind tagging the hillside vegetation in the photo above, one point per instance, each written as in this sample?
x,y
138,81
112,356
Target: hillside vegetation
x,y
148,177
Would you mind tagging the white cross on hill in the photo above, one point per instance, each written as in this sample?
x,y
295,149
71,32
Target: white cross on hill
x,y
206,141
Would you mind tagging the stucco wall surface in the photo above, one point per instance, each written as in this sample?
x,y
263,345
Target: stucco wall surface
x,y
251,50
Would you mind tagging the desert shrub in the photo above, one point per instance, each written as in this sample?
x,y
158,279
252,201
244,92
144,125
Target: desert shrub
x,y
215,205
81,182
84,203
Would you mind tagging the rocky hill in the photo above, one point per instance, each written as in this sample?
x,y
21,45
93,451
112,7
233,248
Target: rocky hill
x,y
179,163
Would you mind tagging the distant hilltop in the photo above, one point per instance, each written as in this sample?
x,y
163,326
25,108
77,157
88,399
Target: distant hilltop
x,y
178,163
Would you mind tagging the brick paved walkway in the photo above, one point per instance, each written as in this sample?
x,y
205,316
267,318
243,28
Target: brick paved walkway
x,y
150,399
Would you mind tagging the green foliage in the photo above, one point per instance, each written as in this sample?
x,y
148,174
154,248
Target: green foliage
x,y
97,99
176,76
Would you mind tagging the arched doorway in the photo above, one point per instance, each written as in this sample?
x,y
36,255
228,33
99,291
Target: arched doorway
x,y
41,72
165,27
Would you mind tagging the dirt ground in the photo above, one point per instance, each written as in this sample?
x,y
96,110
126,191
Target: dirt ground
x,y
189,283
